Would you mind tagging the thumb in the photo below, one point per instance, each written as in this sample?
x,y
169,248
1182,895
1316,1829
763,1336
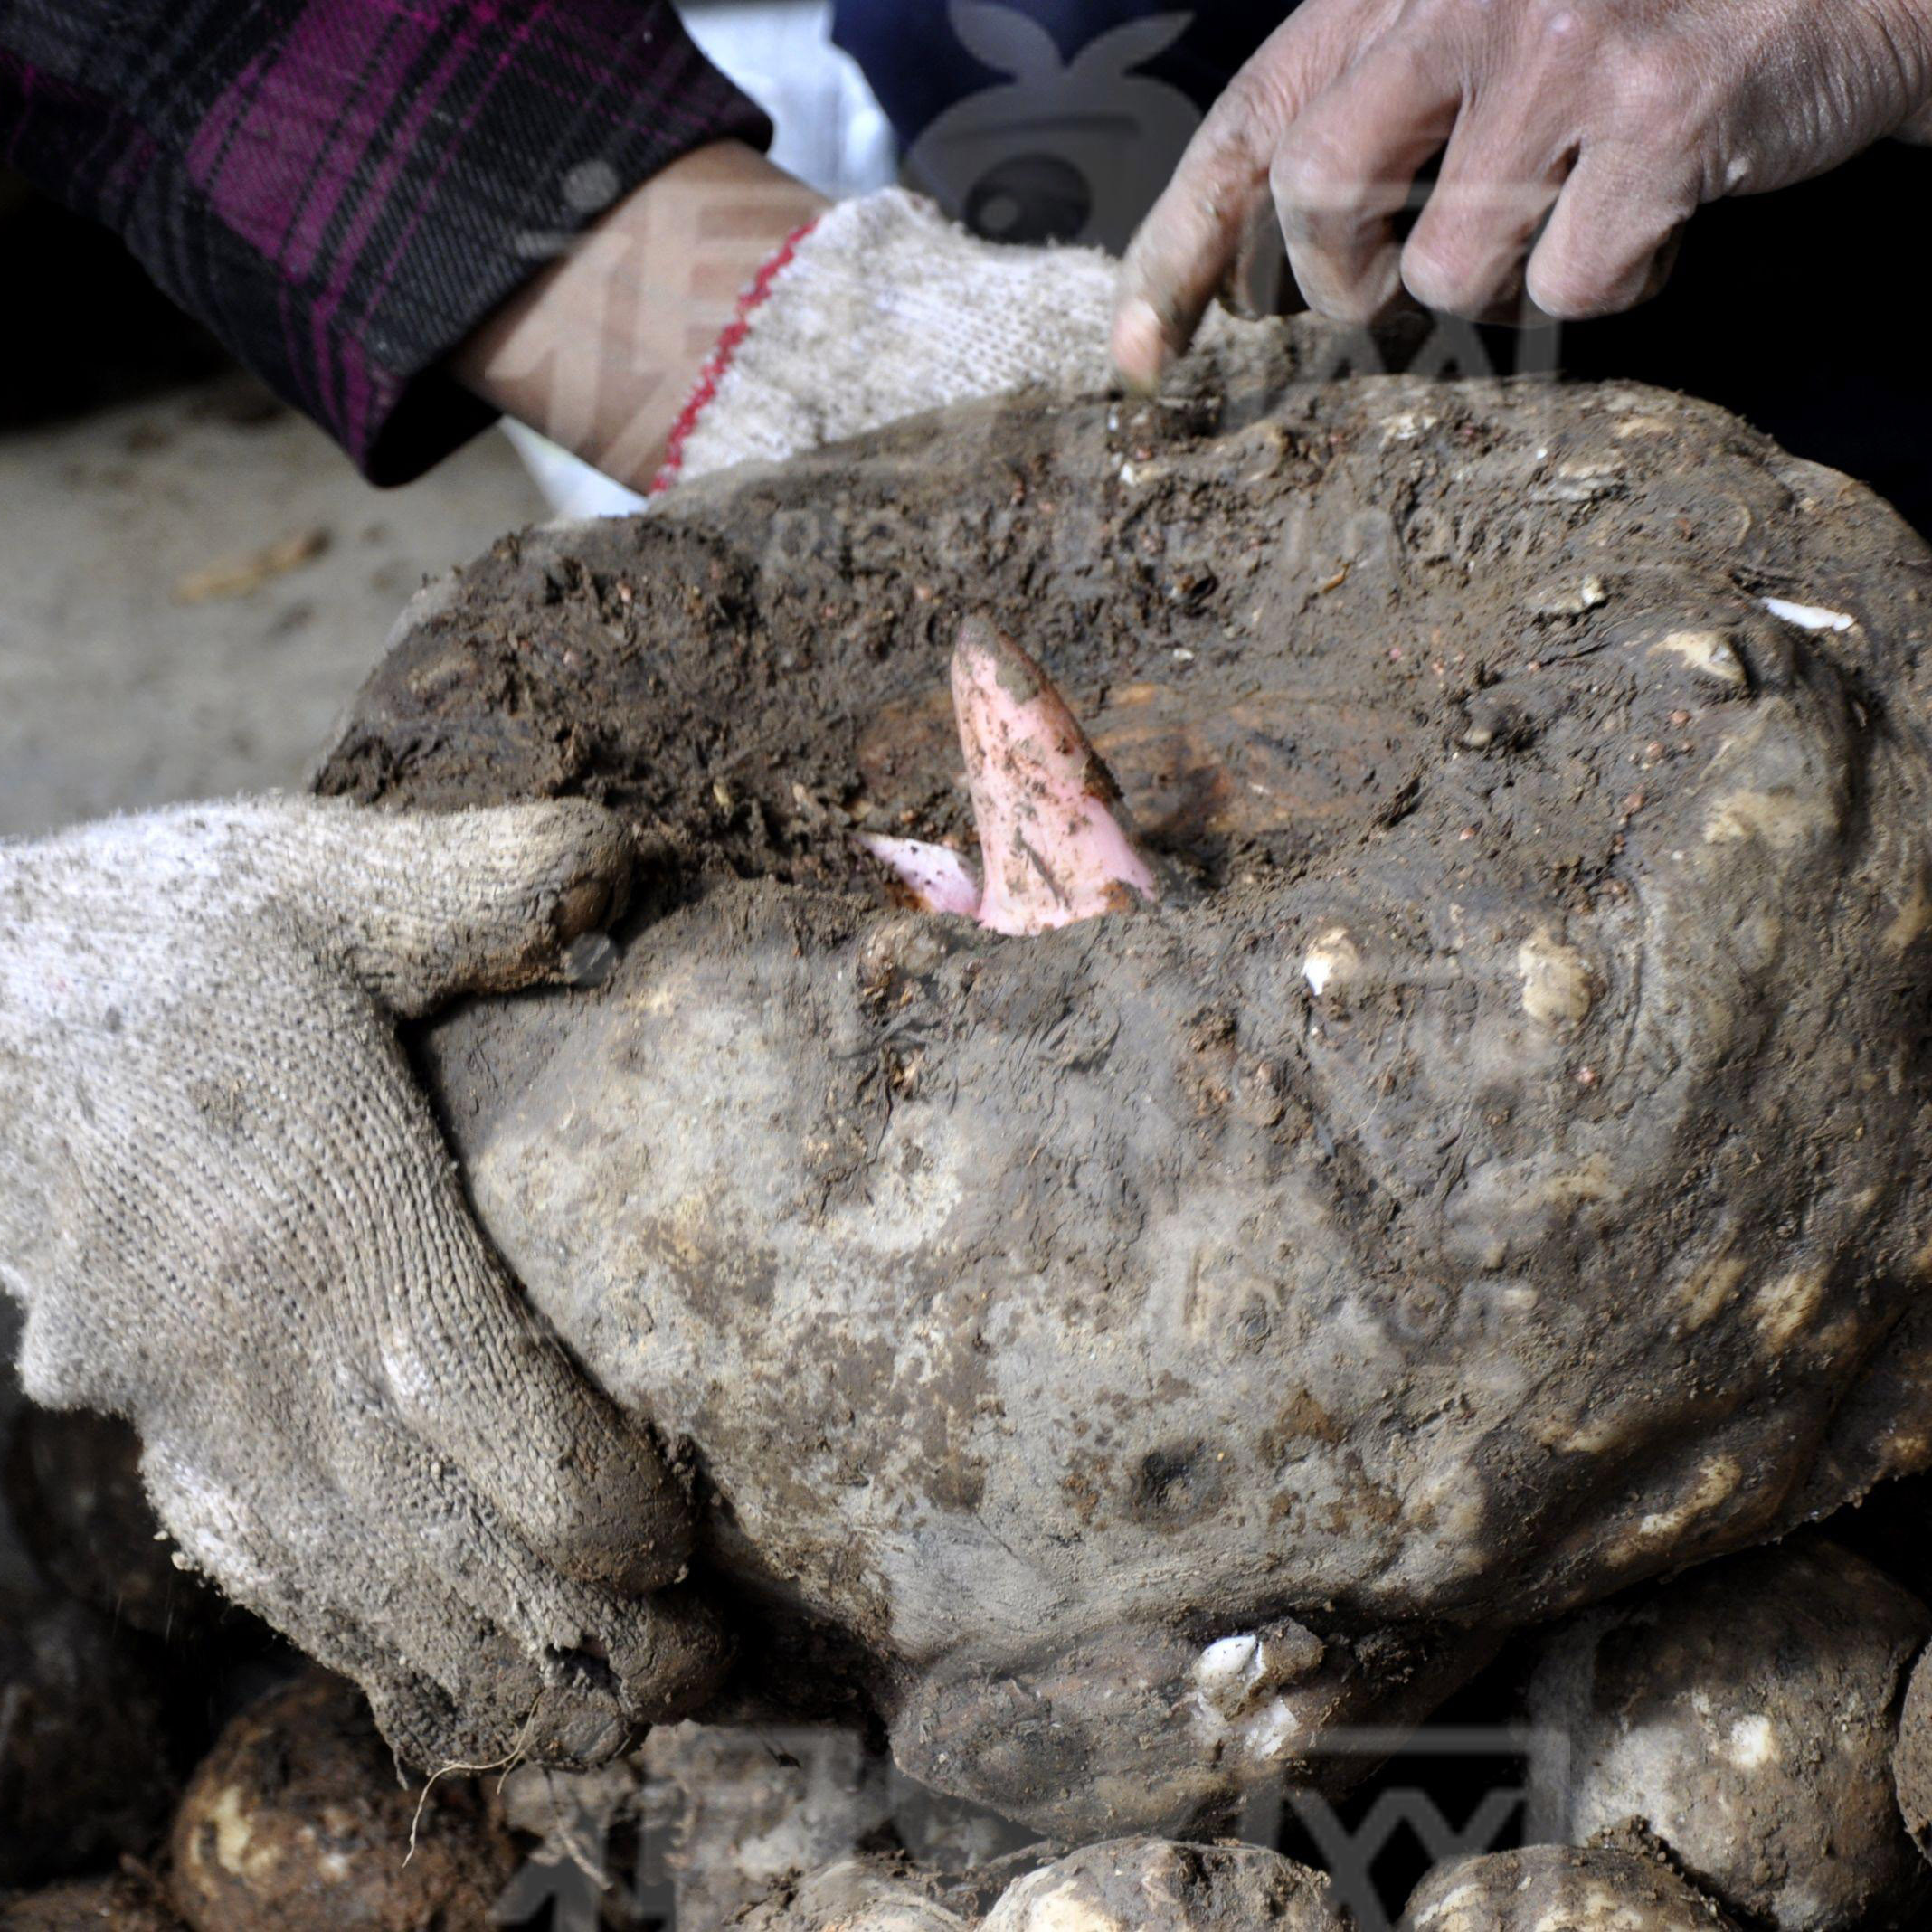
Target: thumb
x,y
422,907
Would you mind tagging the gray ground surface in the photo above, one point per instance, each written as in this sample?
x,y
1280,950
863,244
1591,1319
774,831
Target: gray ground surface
x,y
114,693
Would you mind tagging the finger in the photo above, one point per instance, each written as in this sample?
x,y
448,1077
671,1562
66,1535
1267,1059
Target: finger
x,y
1347,167
449,1693
431,1731
603,1661
1258,284
1194,233
489,1707
1612,237
362,1195
422,907
447,1689
427,1728
1500,177
310,1566
470,1651
419,1304
470,1371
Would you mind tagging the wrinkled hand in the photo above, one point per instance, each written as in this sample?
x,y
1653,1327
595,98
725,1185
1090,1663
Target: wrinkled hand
x,y
231,1220
1577,137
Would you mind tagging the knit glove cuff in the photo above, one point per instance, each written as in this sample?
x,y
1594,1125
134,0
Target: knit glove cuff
x,y
883,308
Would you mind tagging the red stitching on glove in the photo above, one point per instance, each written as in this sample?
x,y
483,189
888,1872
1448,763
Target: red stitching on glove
x,y
721,356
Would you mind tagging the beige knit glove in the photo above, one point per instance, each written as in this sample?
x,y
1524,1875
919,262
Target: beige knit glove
x,y
231,1220
882,309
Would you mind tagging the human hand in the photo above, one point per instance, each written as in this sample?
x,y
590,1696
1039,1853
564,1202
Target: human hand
x,y
231,1220
599,352
1577,137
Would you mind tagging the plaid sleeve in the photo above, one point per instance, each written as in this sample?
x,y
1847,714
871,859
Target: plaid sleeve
x,y
343,190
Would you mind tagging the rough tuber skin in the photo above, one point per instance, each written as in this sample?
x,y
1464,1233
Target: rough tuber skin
x,y
1912,1757
1560,1888
1500,1178
855,1894
1127,1884
1743,1718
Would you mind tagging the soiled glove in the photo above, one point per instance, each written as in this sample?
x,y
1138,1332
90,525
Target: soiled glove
x,y
231,1220
882,309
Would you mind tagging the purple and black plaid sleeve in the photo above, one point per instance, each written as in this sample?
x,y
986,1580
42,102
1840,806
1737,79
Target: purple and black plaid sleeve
x,y
343,190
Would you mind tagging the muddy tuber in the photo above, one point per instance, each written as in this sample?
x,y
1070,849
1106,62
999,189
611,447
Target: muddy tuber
x,y
1495,1175
1743,1716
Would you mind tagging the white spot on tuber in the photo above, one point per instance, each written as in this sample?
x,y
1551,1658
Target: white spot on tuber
x,y
1024,1909
1787,1307
1235,1681
1407,424
1808,617
1715,1486
1270,1731
1596,1434
1233,1673
1912,919
1332,956
1753,1742
1782,818
235,1850
1708,1291
1522,1188
1226,1672
1558,990
1572,600
1709,653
